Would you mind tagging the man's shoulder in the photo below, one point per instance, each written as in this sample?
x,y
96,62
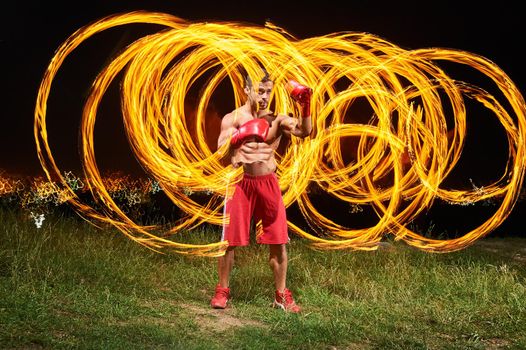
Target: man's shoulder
x,y
237,113
231,116
282,117
228,116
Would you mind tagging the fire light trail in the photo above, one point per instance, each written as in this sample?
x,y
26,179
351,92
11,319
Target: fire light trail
x,y
408,93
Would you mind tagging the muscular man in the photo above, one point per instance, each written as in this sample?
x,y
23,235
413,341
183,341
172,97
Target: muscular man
x,y
254,134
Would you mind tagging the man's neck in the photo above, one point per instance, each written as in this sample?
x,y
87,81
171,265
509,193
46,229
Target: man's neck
x,y
248,108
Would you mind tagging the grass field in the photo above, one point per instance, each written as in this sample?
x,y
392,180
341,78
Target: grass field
x,y
71,285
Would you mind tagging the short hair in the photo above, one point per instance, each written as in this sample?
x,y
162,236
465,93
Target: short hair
x,y
248,81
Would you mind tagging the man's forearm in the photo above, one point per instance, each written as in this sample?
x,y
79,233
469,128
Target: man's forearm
x,y
302,94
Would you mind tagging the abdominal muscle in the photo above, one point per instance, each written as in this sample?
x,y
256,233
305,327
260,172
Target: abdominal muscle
x,y
257,158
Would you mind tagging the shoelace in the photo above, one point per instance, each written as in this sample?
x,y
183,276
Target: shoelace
x,y
286,296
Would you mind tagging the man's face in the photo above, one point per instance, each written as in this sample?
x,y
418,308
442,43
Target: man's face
x,y
260,95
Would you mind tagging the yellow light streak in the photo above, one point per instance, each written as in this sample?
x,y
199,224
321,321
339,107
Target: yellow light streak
x,y
406,90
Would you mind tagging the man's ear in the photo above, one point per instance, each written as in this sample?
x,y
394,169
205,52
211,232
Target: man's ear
x,y
247,90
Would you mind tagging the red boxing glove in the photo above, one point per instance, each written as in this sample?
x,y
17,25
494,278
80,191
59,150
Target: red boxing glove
x,y
301,94
257,128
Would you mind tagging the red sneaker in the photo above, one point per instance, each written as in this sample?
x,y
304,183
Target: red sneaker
x,y
220,299
286,301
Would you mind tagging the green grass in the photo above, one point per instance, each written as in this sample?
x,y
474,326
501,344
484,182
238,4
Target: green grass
x,y
71,285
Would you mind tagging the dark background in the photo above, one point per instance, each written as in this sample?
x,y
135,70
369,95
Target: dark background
x,y
32,31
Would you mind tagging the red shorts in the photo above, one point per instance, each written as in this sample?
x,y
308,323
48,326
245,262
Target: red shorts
x,y
257,197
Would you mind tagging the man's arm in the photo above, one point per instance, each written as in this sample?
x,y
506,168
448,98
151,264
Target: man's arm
x,y
227,129
296,126
301,127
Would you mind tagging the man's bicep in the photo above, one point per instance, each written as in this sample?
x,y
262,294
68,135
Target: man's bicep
x,y
227,128
224,136
294,126
288,124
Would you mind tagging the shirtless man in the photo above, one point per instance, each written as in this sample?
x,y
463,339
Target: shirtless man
x,y
254,134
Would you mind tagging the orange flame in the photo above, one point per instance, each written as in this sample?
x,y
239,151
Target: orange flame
x,y
395,82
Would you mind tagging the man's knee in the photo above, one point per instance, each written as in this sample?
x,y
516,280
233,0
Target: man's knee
x,y
278,252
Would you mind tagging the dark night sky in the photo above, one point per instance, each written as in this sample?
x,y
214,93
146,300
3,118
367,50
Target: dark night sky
x,y
32,31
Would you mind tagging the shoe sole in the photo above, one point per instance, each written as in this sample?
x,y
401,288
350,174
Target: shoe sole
x,y
277,305
218,306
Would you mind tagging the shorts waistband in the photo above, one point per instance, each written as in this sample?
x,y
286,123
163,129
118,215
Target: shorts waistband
x,y
258,177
